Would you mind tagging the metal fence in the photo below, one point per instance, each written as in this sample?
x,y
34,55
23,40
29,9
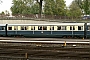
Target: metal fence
x,y
37,16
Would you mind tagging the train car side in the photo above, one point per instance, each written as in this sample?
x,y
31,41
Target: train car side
x,y
65,30
2,29
88,30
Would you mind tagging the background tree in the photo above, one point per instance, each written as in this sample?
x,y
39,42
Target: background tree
x,y
54,7
84,5
18,7
40,5
35,8
2,14
49,7
74,10
24,7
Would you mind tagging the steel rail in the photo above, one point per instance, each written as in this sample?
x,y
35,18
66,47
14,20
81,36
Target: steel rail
x,y
22,41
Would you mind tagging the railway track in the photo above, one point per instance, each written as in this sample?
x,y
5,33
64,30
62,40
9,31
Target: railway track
x,y
47,54
43,51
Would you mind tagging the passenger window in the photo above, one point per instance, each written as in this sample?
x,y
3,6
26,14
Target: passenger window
x,y
25,27
73,27
48,27
59,28
63,27
9,28
22,27
32,28
36,27
55,28
29,27
40,28
80,27
52,28
44,27
2,28
15,27
88,27
70,27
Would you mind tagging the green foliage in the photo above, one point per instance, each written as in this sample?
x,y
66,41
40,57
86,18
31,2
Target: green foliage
x,y
84,5
50,7
18,7
54,7
35,8
2,13
24,7
74,10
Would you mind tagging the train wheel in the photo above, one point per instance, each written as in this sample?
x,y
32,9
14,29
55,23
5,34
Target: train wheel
x,y
69,37
22,36
64,37
75,37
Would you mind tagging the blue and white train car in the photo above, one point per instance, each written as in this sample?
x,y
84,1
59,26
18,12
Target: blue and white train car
x,y
2,29
65,30
88,30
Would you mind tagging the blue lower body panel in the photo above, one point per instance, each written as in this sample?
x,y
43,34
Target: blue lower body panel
x,y
2,33
46,33
88,34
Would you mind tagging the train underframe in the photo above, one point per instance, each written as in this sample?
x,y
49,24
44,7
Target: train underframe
x,y
48,36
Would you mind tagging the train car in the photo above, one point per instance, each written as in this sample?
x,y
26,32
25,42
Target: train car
x,y
2,29
88,30
64,30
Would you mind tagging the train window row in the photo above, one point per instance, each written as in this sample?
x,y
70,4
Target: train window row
x,y
2,27
45,27
88,27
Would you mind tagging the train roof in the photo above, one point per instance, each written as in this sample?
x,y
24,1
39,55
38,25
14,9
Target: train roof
x,y
2,24
80,24
88,23
31,22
